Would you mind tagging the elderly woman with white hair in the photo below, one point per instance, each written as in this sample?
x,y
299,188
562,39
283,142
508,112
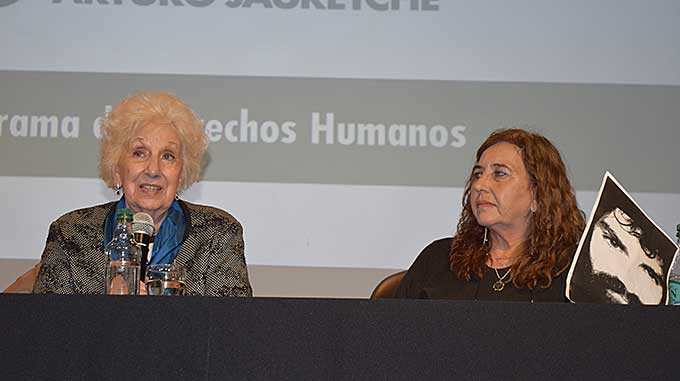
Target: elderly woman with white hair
x,y
152,148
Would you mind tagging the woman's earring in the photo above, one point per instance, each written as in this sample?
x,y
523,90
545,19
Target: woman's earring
x,y
119,190
177,196
485,238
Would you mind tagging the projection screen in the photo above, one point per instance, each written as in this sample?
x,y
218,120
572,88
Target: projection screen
x,y
341,131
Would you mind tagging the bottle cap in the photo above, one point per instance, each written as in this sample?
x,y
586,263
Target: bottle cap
x,y
124,212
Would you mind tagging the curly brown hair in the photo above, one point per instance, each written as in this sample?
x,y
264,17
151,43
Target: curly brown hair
x,y
555,227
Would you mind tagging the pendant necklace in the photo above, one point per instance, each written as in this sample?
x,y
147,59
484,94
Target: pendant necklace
x,y
499,285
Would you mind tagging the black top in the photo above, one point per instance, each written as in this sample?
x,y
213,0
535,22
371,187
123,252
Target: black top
x,y
430,277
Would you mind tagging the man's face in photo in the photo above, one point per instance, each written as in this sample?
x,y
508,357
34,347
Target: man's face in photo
x,y
621,262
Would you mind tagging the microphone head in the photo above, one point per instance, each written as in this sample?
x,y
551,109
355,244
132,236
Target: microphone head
x,y
142,223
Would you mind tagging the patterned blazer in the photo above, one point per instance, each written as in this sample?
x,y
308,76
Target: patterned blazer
x,y
74,262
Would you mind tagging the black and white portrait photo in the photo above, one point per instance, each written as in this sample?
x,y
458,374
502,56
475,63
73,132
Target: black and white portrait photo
x,y
623,256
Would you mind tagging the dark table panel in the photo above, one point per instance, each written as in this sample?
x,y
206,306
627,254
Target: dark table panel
x,y
100,337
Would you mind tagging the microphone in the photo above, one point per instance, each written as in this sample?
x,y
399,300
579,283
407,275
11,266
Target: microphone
x,y
142,231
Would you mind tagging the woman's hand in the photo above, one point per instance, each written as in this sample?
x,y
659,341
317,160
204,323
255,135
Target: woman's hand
x,y
142,288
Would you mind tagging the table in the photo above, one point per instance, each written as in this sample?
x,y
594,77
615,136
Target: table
x,y
129,337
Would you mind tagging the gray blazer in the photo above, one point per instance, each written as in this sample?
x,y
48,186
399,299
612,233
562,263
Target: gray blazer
x,y
74,262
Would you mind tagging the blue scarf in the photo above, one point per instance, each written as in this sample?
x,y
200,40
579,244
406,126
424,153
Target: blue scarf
x,y
168,238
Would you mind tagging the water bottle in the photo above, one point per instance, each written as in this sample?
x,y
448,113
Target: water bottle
x,y
122,269
674,285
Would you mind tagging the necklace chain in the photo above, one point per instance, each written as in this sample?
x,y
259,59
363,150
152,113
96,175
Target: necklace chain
x,y
499,285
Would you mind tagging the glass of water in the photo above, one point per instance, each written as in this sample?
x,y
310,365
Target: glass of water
x,y
165,279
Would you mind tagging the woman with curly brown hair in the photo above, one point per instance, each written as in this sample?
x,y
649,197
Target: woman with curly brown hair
x,y
517,233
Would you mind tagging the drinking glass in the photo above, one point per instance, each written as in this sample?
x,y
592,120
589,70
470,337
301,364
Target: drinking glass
x,y
165,280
